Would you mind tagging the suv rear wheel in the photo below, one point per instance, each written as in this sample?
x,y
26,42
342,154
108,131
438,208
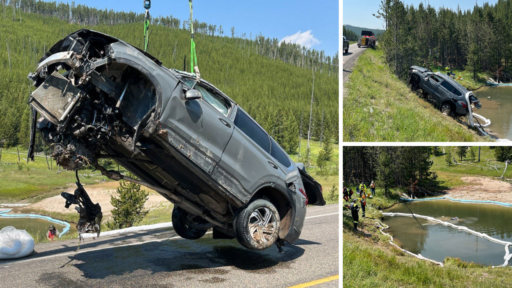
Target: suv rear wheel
x,y
185,226
257,226
446,109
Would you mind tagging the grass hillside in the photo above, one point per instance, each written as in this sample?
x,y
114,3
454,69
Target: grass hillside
x,y
381,108
275,93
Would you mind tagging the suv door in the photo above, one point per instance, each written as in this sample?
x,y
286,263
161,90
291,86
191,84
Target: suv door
x,y
199,128
246,164
433,84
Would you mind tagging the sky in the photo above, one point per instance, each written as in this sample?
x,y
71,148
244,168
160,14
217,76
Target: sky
x,y
353,11
315,25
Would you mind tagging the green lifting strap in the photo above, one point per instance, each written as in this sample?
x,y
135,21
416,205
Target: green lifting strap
x,y
147,5
193,56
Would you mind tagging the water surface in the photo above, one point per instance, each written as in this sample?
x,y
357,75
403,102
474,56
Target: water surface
x,y
438,241
498,109
37,228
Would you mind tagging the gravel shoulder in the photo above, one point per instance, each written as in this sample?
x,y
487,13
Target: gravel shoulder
x,y
483,188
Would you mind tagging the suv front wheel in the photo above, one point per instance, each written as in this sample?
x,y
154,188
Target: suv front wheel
x,y
257,226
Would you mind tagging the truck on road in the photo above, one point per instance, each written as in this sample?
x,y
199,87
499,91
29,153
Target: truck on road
x,y
367,39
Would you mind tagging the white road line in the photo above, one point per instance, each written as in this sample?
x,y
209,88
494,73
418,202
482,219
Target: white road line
x,y
126,245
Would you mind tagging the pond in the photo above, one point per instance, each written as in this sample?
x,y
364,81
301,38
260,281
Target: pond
x,y
438,241
498,109
37,228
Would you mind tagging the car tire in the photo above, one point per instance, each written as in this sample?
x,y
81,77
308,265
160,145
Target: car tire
x,y
446,109
182,225
256,227
346,51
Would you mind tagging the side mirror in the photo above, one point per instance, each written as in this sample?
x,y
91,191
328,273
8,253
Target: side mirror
x,y
193,94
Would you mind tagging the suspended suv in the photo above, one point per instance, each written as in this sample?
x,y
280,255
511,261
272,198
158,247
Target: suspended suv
x,y
452,98
100,97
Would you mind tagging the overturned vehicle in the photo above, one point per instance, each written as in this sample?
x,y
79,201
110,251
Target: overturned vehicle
x,y
100,97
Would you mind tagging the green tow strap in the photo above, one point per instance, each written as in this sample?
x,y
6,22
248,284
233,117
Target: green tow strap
x,y
193,56
147,5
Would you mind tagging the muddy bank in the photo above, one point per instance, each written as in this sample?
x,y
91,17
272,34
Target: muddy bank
x,y
99,193
482,188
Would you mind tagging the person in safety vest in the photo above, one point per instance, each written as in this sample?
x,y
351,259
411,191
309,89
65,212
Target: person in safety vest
x,y
362,189
363,204
372,186
345,193
355,212
52,233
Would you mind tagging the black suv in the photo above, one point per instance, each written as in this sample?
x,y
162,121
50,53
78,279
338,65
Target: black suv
x,y
442,89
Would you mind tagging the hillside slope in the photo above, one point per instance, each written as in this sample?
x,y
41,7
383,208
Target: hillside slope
x,y
381,108
275,93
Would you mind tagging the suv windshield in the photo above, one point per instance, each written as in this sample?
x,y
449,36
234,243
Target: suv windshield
x,y
217,101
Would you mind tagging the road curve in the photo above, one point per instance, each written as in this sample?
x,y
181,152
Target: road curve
x,y
161,258
349,60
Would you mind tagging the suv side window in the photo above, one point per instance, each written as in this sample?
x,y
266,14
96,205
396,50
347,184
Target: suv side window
x,y
457,92
213,98
448,86
278,153
252,130
436,78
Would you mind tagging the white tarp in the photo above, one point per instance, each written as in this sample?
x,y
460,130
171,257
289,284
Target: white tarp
x,y
15,243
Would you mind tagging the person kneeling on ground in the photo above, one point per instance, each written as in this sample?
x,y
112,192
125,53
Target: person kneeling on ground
x,y
52,233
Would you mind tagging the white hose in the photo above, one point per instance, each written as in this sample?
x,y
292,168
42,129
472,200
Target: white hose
x,y
507,257
471,115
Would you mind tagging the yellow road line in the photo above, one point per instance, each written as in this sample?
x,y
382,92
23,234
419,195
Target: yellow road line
x,y
316,282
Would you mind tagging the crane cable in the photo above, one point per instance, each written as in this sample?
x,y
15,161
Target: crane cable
x,y
147,5
193,56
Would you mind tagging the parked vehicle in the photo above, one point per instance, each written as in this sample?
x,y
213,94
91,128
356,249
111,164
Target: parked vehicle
x,y
367,39
346,43
101,97
442,89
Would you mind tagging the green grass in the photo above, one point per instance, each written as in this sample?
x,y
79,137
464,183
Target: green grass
x,y
467,78
33,181
381,108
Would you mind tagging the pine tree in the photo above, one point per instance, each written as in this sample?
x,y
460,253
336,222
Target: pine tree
x,y
461,152
128,206
448,158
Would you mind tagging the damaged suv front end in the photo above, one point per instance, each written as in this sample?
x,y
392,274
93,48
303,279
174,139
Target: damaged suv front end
x,y
100,97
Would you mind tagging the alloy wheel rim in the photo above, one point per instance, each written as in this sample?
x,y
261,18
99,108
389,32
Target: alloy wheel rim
x,y
262,225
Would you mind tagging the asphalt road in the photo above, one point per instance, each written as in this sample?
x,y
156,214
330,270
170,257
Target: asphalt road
x,y
349,60
163,259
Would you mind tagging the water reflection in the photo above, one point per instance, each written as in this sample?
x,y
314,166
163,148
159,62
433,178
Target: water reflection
x,y
493,220
498,108
37,228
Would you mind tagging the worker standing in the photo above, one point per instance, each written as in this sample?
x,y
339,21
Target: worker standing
x,y
350,192
355,212
363,205
345,194
362,189
372,186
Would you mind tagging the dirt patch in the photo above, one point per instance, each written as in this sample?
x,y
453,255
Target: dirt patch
x,y
483,188
99,193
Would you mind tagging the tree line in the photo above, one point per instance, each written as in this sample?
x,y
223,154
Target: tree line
x,y
83,15
349,34
274,92
477,40
389,166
